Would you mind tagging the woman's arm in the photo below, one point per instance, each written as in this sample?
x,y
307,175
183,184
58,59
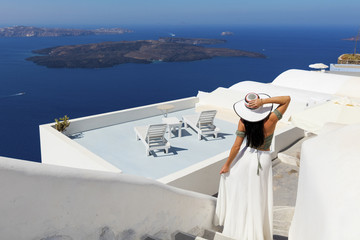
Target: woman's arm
x,y
234,150
283,102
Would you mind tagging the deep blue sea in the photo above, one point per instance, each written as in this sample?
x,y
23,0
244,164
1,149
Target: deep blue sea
x,y
53,93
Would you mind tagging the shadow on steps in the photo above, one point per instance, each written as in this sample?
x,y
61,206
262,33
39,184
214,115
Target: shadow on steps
x,y
278,237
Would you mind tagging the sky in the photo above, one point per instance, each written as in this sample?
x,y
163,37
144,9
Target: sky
x,y
179,12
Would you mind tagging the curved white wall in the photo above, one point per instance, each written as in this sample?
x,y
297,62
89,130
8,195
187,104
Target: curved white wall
x,y
329,83
300,99
328,195
39,201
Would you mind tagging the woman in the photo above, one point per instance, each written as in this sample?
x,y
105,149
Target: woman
x,y
244,205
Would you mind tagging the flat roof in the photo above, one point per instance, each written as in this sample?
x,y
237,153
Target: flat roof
x,y
117,144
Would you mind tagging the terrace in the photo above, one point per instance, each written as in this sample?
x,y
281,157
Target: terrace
x,y
117,145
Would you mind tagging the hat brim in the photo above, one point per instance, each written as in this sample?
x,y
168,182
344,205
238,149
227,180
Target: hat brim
x,y
253,115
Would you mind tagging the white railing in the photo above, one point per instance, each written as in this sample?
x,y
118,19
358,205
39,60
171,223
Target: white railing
x,y
127,115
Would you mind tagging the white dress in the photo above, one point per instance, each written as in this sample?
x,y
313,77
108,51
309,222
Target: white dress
x,y
245,199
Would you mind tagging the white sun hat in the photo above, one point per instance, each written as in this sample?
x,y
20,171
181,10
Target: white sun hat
x,y
253,114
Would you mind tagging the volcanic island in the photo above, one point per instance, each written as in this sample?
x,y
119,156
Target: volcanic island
x,y
30,31
109,54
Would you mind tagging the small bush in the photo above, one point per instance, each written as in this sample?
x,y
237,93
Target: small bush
x,y
349,59
62,124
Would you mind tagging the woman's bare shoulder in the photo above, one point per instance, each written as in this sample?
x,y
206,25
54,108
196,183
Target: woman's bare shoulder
x,y
241,126
271,122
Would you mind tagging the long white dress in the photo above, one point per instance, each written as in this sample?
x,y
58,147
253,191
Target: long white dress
x,y
245,199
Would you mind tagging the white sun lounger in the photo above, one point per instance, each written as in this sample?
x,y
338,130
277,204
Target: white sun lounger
x,y
202,123
153,137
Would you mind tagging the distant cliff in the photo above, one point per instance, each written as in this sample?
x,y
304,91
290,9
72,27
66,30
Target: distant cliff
x,y
108,54
24,31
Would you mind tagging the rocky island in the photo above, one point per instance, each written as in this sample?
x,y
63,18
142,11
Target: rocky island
x,y
108,54
25,31
194,41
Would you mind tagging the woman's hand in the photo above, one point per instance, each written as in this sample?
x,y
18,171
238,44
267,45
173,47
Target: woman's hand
x,y
225,169
256,103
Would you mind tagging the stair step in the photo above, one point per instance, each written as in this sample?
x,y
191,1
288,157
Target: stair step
x,y
212,235
289,159
278,237
149,237
282,219
220,236
178,235
209,234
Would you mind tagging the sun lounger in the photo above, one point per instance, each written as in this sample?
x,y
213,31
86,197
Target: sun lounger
x,y
153,137
202,123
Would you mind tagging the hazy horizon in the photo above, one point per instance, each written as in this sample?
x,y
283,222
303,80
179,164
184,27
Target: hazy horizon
x,y
179,13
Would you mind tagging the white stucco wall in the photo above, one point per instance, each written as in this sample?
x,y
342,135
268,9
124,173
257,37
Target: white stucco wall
x,y
58,149
126,115
322,82
345,68
328,194
40,201
297,95
202,177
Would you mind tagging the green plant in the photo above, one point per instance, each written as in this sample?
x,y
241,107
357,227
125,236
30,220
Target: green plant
x,y
349,58
62,124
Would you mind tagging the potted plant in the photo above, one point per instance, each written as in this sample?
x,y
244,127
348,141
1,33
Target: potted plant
x,y
62,123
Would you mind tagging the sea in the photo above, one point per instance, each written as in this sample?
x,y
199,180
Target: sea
x,y
31,95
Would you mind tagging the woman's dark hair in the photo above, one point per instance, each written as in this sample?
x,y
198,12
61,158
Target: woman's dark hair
x,y
254,131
